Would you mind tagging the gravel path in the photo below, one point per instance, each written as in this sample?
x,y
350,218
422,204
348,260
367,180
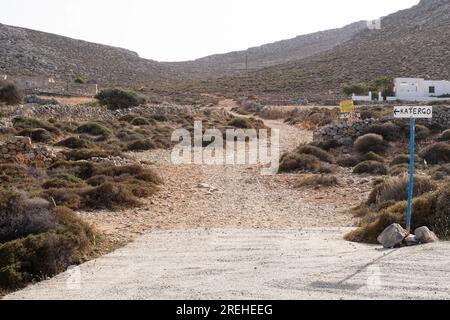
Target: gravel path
x,y
233,196
254,264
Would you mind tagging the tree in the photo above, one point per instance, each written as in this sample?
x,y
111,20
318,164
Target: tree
x,y
359,89
119,99
10,93
385,85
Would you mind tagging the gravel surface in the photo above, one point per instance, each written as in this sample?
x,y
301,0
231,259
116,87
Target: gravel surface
x,y
254,264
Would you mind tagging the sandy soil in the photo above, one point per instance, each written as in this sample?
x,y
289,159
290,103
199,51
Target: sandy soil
x,y
254,264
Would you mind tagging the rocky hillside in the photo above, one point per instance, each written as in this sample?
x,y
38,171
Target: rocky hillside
x,y
269,54
29,52
410,43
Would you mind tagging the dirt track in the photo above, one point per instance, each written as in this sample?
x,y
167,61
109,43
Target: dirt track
x,y
228,232
252,264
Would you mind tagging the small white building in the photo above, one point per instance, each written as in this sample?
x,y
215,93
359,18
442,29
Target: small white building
x,y
417,89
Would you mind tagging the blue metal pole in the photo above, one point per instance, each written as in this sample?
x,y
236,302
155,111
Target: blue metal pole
x,y
411,173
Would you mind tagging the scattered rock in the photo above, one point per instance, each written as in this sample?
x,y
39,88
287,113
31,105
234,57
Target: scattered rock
x,y
392,236
424,235
411,240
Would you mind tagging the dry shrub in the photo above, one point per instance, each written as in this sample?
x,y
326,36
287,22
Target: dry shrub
x,y
348,161
370,142
372,156
140,145
74,143
399,170
21,216
429,209
389,131
445,136
17,176
421,132
397,189
241,123
441,221
139,121
80,169
440,172
371,167
94,129
317,181
45,254
436,153
109,196
291,162
369,231
37,135
128,117
63,197
326,145
31,123
315,151
64,181
312,118
128,135
10,93
400,159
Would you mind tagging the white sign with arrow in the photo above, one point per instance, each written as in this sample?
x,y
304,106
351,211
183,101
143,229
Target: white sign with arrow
x,y
417,112
412,113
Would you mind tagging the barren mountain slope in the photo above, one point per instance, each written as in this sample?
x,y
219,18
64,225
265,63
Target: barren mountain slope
x,y
410,43
29,52
269,54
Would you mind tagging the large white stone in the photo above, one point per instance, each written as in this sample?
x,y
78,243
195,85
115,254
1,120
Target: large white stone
x,y
392,236
424,235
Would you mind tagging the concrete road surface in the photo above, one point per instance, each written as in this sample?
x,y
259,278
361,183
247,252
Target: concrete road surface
x,y
254,264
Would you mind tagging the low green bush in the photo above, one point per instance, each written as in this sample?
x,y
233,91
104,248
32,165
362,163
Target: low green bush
x,y
31,123
94,128
119,99
74,143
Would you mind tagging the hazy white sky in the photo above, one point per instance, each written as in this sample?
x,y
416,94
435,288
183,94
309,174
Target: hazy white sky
x,y
174,30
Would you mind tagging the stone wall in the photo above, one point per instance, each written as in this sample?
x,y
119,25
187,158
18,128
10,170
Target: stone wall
x,y
21,150
345,132
85,113
46,85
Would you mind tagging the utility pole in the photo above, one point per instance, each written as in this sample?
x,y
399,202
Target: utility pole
x,y
246,74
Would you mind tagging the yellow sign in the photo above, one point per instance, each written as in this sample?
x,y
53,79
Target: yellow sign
x,y
347,106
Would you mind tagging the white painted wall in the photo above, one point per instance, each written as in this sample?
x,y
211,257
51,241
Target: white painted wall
x,y
417,89
362,98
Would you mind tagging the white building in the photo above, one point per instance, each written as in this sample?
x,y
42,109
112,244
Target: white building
x,y
416,89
